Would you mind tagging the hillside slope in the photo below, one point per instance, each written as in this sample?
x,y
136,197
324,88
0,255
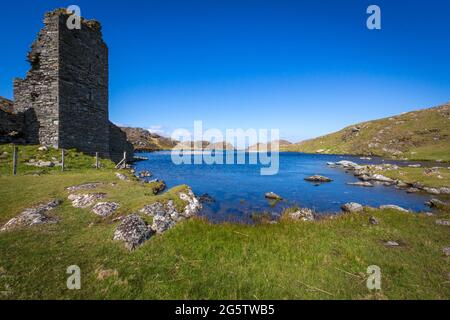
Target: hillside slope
x,y
416,135
143,140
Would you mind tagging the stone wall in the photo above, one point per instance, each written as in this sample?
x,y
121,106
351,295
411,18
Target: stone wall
x,y
118,143
83,88
64,97
39,90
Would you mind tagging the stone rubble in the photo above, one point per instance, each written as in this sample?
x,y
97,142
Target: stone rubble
x,y
33,216
105,209
85,200
85,186
165,215
393,207
303,214
352,207
133,231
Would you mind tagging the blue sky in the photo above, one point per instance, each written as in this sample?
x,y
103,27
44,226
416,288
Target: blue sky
x,y
304,67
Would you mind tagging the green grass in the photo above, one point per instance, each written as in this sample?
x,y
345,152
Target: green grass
x,y
327,259
74,160
412,175
418,135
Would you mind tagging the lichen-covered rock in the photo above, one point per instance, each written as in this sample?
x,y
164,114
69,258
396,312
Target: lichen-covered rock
x,y
85,186
122,177
352,207
133,231
318,178
444,190
85,200
431,190
412,190
436,203
165,215
393,207
33,216
443,222
272,196
381,178
303,214
105,209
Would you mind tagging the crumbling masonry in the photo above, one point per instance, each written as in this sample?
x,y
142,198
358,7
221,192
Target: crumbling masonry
x,y
63,101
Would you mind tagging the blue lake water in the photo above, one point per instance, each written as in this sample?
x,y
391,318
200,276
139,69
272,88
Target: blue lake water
x,y
238,190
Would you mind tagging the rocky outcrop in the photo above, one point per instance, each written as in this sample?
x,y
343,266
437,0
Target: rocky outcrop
x,y
85,200
272,196
352,207
33,216
318,178
144,140
393,207
166,215
361,184
85,186
133,231
105,209
303,214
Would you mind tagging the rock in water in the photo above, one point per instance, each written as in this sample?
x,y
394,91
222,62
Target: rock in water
x,y
318,178
133,231
393,207
412,190
33,216
303,214
105,209
360,184
272,196
436,203
352,207
206,198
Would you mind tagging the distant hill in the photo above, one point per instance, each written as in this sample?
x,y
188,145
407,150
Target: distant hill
x,y
282,144
416,135
144,140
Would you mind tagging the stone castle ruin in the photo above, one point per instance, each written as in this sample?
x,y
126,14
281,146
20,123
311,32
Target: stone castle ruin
x,y
63,100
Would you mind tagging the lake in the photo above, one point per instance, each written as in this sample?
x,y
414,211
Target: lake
x,y
238,190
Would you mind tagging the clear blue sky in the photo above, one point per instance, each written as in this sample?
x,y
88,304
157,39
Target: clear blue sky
x,y
305,67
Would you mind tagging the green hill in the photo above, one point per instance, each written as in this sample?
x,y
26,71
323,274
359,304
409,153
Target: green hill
x,y
416,135
144,140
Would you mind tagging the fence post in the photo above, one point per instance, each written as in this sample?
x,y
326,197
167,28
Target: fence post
x,y
62,159
15,156
96,160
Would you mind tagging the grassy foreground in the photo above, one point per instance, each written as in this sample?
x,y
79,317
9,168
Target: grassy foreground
x,y
326,259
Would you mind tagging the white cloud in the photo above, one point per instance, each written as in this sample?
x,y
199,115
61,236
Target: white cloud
x,y
157,129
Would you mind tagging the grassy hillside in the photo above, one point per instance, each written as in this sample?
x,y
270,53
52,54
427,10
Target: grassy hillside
x,y
417,135
325,259
143,140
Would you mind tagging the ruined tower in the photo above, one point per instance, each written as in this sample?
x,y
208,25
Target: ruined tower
x,y
64,96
